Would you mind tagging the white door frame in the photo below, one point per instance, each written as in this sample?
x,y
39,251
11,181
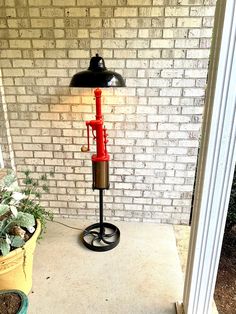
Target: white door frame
x,y
7,125
216,165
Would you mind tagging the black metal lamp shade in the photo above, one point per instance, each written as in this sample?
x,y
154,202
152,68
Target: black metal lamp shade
x,y
97,75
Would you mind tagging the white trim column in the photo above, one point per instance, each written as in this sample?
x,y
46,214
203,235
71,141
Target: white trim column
x,y
215,167
1,158
8,133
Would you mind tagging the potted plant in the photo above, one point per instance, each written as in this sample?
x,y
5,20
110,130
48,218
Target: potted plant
x,y
22,221
13,301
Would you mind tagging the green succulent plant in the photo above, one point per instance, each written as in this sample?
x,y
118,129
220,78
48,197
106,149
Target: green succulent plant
x,y
19,210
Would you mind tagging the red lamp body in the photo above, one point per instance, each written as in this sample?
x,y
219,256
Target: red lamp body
x,y
100,160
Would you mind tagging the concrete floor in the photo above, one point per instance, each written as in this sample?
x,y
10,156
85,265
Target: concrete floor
x,y
141,275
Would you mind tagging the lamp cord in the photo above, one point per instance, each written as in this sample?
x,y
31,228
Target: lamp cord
x,y
65,225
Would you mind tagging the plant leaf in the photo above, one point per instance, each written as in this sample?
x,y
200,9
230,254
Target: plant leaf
x,y
4,246
27,172
14,210
9,179
17,241
8,239
24,220
4,209
3,224
18,196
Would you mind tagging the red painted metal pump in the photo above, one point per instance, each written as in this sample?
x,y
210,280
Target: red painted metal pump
x,y
100,236
100,160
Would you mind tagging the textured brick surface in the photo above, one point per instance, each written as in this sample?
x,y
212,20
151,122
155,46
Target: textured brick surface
x,y
160,47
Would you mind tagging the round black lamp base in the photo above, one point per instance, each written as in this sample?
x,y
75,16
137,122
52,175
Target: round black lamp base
x,y
100,239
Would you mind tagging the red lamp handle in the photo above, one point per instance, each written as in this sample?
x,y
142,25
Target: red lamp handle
x,y
86,148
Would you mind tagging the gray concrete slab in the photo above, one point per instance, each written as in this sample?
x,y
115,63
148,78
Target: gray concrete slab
x,y
141,275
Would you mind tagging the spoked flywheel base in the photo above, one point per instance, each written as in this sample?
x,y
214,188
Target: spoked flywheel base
x,y
100,239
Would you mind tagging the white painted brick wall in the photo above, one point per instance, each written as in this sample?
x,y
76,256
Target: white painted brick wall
x,y
162,50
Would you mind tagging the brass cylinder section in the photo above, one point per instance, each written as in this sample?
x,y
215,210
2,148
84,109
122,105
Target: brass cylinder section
x,y
100,175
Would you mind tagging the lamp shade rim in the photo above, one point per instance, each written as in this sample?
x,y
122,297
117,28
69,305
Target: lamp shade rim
x,y
100,78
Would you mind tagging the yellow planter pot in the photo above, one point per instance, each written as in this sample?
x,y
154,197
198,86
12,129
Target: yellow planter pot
x,y
16,267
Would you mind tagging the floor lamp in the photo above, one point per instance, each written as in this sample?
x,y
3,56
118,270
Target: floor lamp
x,y
100,236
